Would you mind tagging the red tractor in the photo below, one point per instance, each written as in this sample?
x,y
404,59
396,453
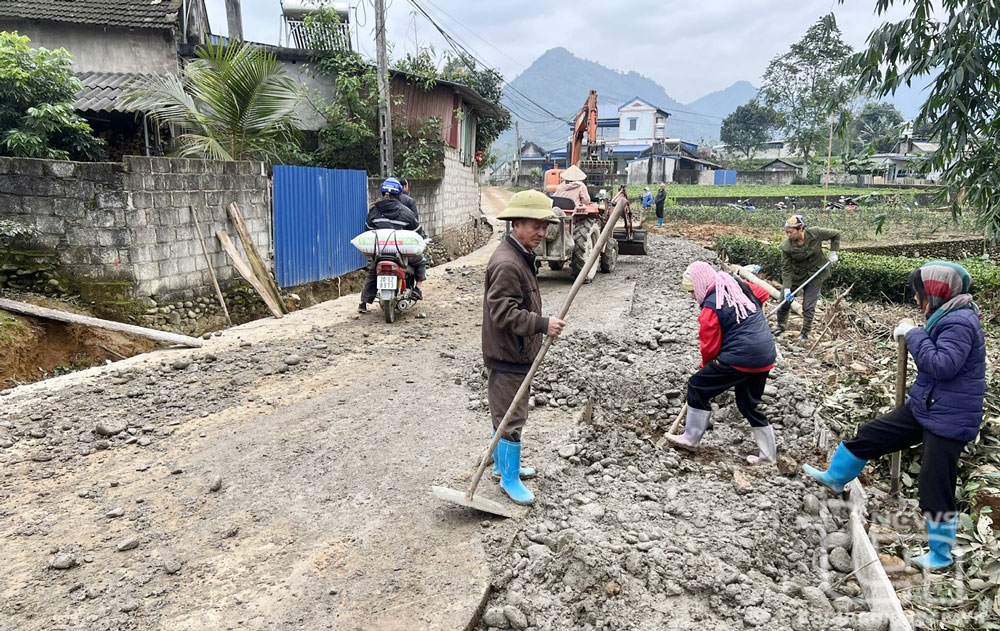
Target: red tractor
x,y
580,225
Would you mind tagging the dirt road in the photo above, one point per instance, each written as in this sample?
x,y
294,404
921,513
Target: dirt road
x,y
279,477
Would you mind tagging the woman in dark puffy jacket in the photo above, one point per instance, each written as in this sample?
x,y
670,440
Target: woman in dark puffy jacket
x,y
737,351
944,409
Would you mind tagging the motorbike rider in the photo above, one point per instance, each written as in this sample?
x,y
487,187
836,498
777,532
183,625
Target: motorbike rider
x,y
390,213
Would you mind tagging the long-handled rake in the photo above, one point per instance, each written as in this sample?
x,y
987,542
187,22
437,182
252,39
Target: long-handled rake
x,y
468,498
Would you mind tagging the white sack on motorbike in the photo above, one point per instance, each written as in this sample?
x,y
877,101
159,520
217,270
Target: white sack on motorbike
x,y
389,241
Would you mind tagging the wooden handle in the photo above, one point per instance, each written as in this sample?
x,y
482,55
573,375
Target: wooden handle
x,y
895,461
526,383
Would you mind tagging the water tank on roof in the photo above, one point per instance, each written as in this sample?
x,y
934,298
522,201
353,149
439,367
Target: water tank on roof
x,y
299,9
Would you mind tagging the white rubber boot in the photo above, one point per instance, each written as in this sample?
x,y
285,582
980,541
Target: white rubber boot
x,y
767,445
694,428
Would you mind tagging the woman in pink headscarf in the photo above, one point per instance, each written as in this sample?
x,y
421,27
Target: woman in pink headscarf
x,y
737,351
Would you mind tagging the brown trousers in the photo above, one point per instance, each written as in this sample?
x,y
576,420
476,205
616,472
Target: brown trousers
x,y
501,388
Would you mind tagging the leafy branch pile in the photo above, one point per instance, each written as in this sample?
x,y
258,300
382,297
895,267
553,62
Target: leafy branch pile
x,y
875,277
857,395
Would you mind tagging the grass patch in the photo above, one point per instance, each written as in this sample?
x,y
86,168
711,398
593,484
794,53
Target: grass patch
x,y
10,326
866,223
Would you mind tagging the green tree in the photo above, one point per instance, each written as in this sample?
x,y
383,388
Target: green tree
x,y
37,119
488,83
749,126
234,102
959,56
807,85
877,126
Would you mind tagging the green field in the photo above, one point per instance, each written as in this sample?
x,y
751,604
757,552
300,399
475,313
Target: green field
x,y
866,224
676,191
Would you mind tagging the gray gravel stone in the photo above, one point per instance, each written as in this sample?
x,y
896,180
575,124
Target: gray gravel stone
x,y
756,616
63,562
840,560
515,617
494,618
128,543
110,427
871,621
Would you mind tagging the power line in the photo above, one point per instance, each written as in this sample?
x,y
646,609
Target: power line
x,y
466,55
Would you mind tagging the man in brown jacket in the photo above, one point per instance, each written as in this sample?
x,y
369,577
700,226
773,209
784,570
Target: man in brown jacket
x,y
513,327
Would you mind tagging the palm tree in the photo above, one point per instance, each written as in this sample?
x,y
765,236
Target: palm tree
x,y
234,102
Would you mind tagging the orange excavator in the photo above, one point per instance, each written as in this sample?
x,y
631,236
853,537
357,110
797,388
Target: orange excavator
x,y
584,221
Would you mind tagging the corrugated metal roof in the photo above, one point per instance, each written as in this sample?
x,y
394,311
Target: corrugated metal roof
x,y
623,149
154,14
101,90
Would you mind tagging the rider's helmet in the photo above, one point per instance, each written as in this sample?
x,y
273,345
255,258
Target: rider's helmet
x,y
391,186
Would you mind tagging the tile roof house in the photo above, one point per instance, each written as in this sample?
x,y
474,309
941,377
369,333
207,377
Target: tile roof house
x,y
113,43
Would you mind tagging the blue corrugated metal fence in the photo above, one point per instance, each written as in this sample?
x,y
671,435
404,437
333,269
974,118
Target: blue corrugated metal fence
x,y
725,177
316,214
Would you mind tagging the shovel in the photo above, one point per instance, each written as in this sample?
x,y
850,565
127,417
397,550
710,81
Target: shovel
x,y
468,498
801,287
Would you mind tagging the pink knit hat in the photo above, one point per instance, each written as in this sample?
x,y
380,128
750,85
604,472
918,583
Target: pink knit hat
x,y
704,279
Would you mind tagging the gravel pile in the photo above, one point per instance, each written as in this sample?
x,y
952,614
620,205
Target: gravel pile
x,y
629,534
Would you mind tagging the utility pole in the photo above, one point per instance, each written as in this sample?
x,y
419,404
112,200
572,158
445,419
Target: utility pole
x,y
384,92
517,149
234,18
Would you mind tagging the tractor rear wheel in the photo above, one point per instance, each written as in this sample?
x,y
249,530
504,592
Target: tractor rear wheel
x,y
585,236
609,257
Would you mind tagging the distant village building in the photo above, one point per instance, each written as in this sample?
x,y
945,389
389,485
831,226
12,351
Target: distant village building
x,y
770,149
779,164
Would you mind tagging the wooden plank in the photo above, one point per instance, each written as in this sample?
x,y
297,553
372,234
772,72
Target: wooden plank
x,y
256,262
875,584
211,268
72,318
245,271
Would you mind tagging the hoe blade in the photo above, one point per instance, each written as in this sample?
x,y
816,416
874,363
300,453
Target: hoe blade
x,y
483,504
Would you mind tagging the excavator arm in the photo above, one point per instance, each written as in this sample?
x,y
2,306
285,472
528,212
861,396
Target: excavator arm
x,y
586,122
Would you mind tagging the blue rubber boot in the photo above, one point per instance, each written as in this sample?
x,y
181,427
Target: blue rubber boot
x,y
843,468
940,539
526,472
508,453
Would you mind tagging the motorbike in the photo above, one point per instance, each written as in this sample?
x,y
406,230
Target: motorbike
x,y
395,283
742,204
786,203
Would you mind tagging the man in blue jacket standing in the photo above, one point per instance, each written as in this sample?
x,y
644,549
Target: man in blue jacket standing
x,y
944,409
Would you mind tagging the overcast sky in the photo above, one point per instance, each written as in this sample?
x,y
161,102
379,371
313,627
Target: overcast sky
x,y
689,47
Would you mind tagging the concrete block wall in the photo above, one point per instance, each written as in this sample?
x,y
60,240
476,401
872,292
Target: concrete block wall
x,y
167,259
131,222
448,206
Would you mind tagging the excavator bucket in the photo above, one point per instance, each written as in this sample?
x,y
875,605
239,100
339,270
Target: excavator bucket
x,y
635,246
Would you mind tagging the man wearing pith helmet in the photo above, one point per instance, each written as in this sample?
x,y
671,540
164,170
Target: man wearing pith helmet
x,y
513,328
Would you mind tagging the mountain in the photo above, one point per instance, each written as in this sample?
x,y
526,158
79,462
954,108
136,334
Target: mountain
x,y
559,81
722,103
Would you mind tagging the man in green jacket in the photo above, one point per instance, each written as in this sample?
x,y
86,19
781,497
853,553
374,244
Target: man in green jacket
x,y
801,257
